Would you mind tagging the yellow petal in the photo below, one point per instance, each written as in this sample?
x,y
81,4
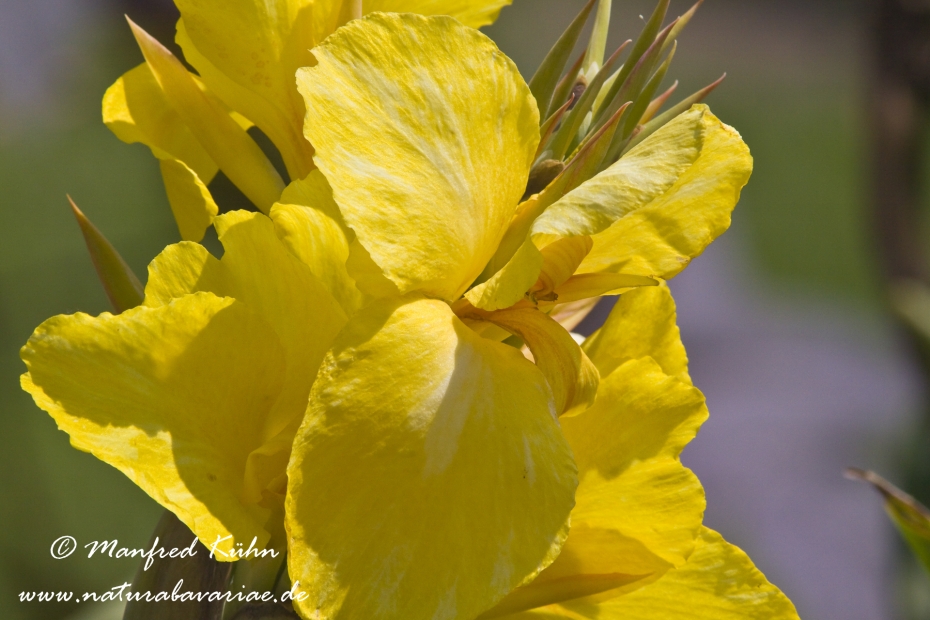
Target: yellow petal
x,y
173,396
571,375
227,143
426,133
661,237
136,110
429,477
257,269
248,51
308,221
719,582
474,13
585,285
655,415
641,324
510,284
191,202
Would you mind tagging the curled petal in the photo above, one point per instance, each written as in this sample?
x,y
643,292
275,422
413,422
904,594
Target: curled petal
x,y
191,202
571,375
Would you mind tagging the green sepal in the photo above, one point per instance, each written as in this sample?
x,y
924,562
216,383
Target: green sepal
x,y
544,81
680,24
597,43
645,97
636,80
656,104
643,42
548,126
119,282
566,134
910,516
563,91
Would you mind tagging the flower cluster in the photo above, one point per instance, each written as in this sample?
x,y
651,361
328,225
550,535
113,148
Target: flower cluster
x,y
378,374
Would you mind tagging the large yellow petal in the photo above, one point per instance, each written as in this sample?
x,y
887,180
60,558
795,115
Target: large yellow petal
x,y
474,13
309,223
429,477
174,397
719,582
641,324
257,269
661,237
426,132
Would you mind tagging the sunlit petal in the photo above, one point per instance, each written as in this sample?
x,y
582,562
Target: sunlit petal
x,y
426,133
429,477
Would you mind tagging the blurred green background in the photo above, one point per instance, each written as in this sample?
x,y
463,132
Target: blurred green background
x,y
794,90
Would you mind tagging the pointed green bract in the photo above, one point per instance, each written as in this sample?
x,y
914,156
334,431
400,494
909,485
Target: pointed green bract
x,y
680,24
121,285
910,516
645,97
646,38
546,77
597,44
565,136
634,83
564,88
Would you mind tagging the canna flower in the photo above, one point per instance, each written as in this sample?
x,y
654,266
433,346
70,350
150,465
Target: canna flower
x,y
343,363
246,53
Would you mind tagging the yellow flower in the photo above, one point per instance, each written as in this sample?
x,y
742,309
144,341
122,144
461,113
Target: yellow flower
x,y
246,53
429,476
